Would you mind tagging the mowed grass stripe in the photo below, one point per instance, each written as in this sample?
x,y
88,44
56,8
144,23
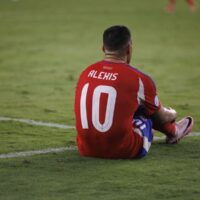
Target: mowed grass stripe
x,y
37,123
62,149
37,152
55,125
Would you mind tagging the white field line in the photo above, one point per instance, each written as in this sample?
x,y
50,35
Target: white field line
x,y
37,152
61,149
37,123
155,138
51,150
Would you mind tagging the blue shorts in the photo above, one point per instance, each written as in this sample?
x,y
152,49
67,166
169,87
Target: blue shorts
x,y
143,127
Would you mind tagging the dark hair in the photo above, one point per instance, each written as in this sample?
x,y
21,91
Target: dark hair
x,y
116,37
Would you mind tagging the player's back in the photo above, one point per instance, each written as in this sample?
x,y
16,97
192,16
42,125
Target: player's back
x,y
105,101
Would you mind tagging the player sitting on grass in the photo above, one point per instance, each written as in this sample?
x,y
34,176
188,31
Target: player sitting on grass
x,y
116,105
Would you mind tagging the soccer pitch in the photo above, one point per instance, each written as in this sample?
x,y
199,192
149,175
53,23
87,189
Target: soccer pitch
x,y
44,46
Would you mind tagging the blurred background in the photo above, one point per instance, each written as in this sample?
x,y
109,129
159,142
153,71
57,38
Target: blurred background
x,y
44,46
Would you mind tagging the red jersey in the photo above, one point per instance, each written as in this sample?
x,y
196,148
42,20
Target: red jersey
x,y
107,96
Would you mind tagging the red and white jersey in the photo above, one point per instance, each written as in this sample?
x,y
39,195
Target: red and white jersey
x,y
107,96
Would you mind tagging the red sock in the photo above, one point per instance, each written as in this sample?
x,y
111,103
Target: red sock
x,y
190,2
167,128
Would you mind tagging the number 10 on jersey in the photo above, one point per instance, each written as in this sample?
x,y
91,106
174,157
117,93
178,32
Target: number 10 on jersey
x,y
110,107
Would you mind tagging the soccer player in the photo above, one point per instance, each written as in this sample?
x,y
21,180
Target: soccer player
x,y
116,105
171,7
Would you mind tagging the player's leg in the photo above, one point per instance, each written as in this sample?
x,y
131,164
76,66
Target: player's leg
x,y
169,129
183,128
171,6
192,5
175,131
164,120
143,127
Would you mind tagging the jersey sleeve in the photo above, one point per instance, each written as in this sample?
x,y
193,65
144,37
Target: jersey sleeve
x,y
147,95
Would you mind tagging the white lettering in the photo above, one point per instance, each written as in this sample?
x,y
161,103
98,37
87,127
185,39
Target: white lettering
x,y
114,77
103,75
91,73
95,74
106,76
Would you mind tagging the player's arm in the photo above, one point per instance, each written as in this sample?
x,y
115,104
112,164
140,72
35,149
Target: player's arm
x,y
164,115
163,118
153,107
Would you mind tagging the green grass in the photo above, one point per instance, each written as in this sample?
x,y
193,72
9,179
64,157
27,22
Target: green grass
x,y
167,173
44,46
22,137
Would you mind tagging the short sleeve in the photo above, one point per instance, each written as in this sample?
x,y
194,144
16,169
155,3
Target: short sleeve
x,y
147,95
